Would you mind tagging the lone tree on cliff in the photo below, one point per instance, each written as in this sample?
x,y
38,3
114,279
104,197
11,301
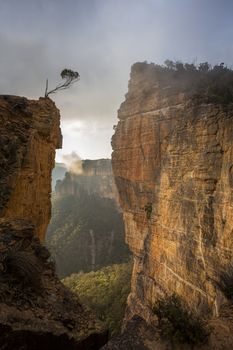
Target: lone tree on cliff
x,y
70,78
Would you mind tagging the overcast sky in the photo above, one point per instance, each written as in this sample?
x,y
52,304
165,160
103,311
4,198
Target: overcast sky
x,y
101,39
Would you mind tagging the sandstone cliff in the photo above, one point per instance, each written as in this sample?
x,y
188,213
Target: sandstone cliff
x,y
30,134
36,310
172,161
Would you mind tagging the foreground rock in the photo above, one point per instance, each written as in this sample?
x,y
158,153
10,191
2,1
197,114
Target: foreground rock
x,y
140,335
36,310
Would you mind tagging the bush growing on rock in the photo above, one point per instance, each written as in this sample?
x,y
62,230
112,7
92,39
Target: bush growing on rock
x,y
178,324
225,283
148,210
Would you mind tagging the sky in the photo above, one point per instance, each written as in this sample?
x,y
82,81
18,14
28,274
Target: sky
x,y
101,39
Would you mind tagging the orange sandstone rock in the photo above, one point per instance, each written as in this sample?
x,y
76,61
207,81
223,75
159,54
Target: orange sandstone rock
x,y
176,155
30,133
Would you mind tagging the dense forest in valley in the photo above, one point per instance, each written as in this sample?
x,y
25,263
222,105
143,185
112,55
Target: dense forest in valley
x,y
86,233
104,291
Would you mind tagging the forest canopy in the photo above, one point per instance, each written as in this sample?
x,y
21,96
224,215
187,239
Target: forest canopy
x,y
105,292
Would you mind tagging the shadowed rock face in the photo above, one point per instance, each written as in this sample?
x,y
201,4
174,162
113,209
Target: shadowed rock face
x,y
36,310
29,135
175,157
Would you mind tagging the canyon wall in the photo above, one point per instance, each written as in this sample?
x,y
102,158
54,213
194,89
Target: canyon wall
x,y
30,133
173,166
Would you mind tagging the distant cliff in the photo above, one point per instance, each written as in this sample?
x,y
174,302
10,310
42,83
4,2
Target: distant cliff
x,y
94,176
173,166
86,230
36,310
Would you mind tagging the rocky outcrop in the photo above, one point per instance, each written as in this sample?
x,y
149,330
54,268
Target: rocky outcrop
x,y
91,176
30,134
36,310
172,161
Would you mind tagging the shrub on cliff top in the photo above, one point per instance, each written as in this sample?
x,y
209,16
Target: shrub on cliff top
x,y
178,324
203,82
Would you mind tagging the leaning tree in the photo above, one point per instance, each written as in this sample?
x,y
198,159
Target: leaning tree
x,y
70,78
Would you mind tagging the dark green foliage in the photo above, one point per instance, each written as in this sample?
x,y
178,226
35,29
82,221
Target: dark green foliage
x,y
75,221
70,77
69,74
201,83
104,291
178,324
148,210
225,283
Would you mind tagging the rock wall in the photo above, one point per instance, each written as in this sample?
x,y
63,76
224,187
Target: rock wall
x,y
173,166
30,133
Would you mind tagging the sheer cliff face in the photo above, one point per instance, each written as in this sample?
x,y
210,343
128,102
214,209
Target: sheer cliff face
x,y
30,134
173,166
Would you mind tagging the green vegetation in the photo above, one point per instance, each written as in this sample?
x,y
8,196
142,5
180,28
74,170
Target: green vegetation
x,y
201,83
178,324
225,283
148,210
86,233
104,291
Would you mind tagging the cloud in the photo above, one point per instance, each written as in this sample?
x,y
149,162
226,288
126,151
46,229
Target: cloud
x,y
73,163
101,39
